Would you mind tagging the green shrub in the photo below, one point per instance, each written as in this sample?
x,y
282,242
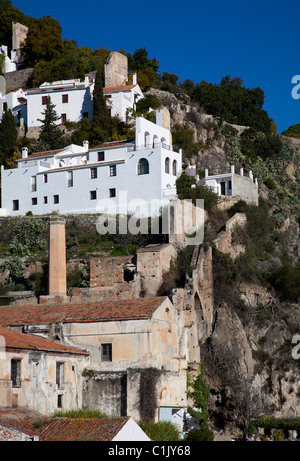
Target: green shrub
x,y
201,435
80,413
286,281
149,101
162,431
185,191
270,183
239,207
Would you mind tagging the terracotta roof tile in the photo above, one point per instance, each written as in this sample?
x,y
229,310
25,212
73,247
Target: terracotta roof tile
x,y
106,145
86,165
16,340
114,89
83,429
48,153
22,420
103,311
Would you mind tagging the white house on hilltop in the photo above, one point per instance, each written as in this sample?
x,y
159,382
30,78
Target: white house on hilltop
x,y
137,176
232,184
72,99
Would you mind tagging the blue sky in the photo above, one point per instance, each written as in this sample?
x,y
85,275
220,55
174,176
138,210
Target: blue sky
x,y
200,40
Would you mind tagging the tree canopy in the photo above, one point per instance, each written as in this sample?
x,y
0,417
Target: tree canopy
x,y
233,103
51,136
8,137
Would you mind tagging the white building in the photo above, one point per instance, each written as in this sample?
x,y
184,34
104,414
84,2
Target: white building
x,y
72,99
9,65
232,185
117,177
16,102
121,100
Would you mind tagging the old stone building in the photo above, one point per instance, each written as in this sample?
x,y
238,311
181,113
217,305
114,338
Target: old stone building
x,y
39,374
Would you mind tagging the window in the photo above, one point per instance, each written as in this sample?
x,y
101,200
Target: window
x,y
34,201
106,352
93,173
93,195
143,166
15,372
4,106
113,170
15,205
45,178
174,168
44,100
112,193
45,199
65,98
70,178
100,156
63,118
167,165
59,401
55,198
59,374
33,183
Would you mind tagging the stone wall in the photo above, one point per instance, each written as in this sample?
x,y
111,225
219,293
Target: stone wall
x,y
245,189
116,70
224,241
152,262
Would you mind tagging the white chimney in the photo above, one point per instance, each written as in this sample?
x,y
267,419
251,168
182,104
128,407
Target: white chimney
x,y
134,79
86,145
86,80
24,152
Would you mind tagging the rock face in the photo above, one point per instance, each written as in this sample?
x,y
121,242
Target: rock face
x,y
248,350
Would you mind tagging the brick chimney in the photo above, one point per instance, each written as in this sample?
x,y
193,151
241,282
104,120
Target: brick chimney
x,y
57,257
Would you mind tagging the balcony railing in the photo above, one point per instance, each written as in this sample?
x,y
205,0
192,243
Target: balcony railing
x,y
149,146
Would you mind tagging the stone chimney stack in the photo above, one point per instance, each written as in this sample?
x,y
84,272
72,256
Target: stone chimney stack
x,y
57,257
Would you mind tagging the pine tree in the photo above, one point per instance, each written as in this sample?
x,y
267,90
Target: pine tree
x,y
8,136
51,136
101,115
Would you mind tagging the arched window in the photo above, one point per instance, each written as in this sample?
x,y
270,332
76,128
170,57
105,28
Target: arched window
x,y
155,141
147,138
143,166
174,168
167,165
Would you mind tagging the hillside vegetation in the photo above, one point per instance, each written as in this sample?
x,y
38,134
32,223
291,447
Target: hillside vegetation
x,y
257,294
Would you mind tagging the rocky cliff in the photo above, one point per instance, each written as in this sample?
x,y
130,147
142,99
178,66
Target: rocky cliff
x,y
249,361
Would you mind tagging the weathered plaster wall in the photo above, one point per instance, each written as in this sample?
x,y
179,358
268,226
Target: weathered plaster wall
x,y
116,70
38,390
152,261
245,189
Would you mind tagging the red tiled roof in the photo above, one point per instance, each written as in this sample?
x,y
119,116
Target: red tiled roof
x,y
83,429
83,165
16,340
104,311
48,153
114,89
106,145
22,420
